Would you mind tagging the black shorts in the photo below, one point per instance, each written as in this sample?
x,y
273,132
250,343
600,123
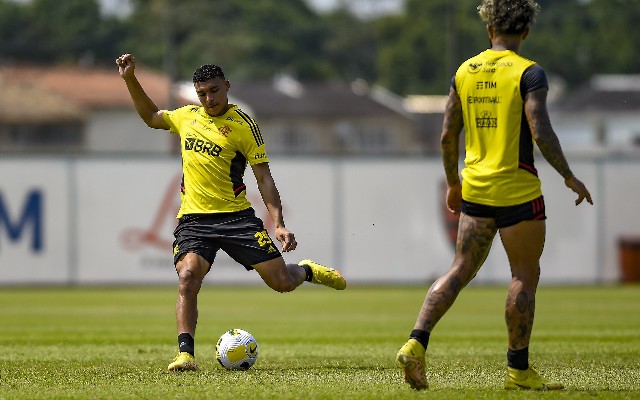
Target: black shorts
x,y
510,215
239,234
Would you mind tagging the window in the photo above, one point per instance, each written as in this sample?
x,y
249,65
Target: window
x,y
365,138
39,137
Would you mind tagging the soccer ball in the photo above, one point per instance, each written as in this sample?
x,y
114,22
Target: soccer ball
x,y
237,349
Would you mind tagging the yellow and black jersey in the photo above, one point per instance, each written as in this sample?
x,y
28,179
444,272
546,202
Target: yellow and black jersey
x,y
215,152
499,163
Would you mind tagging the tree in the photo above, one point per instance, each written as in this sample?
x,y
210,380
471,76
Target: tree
x,y
256,39
62,30
350,47
13,19
416,51
421,48
613,36
51,31
559,40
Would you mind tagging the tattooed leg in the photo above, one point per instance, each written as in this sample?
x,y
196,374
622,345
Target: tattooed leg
x,y
475,236
523,243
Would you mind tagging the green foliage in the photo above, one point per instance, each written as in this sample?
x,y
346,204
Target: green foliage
x,y
259,39
350,47
51,31
422,49
416,51
315,343
12,21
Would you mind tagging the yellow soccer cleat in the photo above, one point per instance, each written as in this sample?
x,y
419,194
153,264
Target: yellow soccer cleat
x,y
411,358
529,379
324,275
183,362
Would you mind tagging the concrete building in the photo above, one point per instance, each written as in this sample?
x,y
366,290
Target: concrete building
x,y
94,109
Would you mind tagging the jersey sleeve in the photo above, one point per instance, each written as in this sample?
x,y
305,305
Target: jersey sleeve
x,y
533,78
251,143
174,118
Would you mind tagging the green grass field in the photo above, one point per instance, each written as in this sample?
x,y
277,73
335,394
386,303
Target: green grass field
x,y
315,343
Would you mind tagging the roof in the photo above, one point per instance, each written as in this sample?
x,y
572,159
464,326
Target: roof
x,y
426,104
23,103
87,87
617,93
287,98
75,89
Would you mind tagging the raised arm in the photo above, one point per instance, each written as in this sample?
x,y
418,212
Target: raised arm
x,y
145,107
535,108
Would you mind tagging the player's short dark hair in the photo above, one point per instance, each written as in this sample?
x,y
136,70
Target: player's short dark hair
x,y
509,16
206,72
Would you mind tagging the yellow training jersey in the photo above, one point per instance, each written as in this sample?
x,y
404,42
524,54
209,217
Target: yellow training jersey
x,y
499,168
215,152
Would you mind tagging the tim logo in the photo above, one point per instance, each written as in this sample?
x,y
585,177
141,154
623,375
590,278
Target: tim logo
x,y
202,146
28,220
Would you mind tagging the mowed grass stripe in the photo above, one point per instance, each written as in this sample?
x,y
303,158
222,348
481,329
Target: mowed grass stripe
x,y
315,343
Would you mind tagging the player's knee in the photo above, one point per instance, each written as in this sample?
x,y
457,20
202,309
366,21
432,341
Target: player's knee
x,y
527,275
279,276
188,281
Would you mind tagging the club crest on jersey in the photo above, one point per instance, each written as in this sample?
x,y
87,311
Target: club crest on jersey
x,y
474,67
224,130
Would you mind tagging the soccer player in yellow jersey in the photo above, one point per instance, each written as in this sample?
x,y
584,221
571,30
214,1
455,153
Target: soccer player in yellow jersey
x,y
217,141
499,98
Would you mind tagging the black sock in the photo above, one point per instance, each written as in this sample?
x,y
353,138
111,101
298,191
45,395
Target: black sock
x,y
518,359
186,343
307,269
421,336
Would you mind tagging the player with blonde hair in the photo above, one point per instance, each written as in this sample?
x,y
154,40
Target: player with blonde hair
x,y
500,99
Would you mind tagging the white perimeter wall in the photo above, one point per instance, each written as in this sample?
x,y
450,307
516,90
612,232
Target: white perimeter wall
x,y
110,220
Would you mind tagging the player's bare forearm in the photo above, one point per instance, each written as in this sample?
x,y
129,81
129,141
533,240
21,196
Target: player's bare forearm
x,y
142,103
545,137
552,151
271,199
450,138
538,118
269,192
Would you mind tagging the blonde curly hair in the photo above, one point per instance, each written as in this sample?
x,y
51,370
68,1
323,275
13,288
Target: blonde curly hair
x,y
509,16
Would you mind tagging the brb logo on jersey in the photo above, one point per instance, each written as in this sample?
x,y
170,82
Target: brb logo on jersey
x,y
202,146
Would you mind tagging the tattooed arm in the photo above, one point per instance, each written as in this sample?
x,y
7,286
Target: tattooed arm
x,y
535,107
450,142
